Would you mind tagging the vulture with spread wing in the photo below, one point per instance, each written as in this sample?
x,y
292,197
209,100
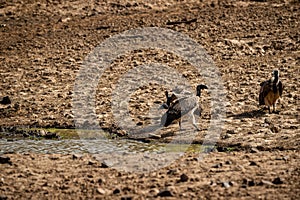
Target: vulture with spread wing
x,y
178,107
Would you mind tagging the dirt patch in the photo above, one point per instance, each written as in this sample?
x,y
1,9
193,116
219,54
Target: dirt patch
x,y
218,175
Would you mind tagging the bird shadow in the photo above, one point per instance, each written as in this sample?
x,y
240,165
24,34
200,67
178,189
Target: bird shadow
x,y
248,114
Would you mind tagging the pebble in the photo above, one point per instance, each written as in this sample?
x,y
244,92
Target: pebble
x,y
154,191
277,181
254,150
264,182
231,132
5,160
252,163
219,165
104,165
76,156
5,100
184,178
228,162
91,162
165,193
116,191
154,136
100,191
226,184
249,183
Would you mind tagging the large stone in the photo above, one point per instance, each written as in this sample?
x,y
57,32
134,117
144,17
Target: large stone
x,y
5,100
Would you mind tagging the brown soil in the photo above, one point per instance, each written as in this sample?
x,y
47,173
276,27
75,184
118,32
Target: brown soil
x,y
43,45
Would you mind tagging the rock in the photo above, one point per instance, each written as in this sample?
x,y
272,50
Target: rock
x,y
2,181
139,123
227,104
154,136
5,100
252,163
285,158
226,136
183,178
254,150
5,160
249,183
264,182
100,191
116,191
43,133
104,165
231,131
226,184
277,181
212,183
165,193
219,165
228,162
64,20
154,191
100,181
76,156
91,162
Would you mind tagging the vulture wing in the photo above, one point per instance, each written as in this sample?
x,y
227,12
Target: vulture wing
x,y
264,90
179,108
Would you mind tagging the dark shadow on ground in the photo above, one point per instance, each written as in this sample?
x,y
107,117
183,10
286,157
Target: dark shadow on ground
x,y
249,114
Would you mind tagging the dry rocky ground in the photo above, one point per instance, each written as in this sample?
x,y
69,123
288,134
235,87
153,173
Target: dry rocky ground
x,y
44,44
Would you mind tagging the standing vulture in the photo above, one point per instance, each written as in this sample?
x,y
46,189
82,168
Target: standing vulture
x,y
178,107
270,91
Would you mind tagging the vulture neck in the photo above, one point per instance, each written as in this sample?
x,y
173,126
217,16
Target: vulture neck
x,y
275,81
198,93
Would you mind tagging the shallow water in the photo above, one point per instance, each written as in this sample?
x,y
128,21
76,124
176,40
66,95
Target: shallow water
x,y
92,142
74,146
69,146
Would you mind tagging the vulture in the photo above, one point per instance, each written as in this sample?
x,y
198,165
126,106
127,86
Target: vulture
x,y
270,91
178,107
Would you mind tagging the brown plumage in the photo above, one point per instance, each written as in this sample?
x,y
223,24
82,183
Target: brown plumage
x,y
270,91
178,107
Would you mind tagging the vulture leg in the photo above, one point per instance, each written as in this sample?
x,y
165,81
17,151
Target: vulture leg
x,y
193,117
179,122
274,109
